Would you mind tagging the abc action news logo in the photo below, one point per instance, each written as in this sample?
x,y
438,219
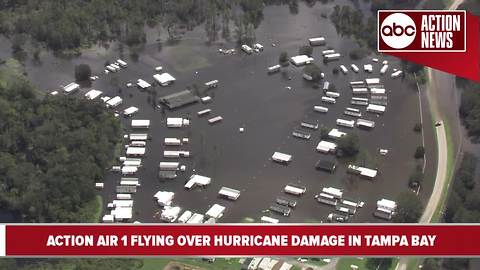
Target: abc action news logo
x,y
421,31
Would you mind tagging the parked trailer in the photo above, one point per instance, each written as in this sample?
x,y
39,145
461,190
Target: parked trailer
x,y
185,217
372,81
215,119
295,189
332,94
126,189
335,192
176,154
177,122
336,134
301,134
204,112
281,157
357,83
362,123
274,69
345,123
383,69
130,111
129,183
286,202
326,147
309,124
265,219
140,123
247,49
383,213
172,141
138,143
196,219
360,91
212,84
354,114
332,57
378,109
317,41
122,63
354,68
168,166
343,69
396,74
329,100
138,136
334,217
326,52
124,196
326,86
285,211
326,199
320,109
368,68
229,193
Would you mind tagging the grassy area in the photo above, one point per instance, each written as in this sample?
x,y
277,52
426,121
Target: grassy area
x,y
219,264
344,263
413,263
95,207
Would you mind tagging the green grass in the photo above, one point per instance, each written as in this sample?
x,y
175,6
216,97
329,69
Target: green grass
x,y
96,207
315,261
344,263
413,263
219,264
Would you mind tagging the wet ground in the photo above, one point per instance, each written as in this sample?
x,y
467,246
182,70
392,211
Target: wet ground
x,y
250,98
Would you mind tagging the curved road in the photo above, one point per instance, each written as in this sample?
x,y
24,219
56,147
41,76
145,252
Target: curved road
x,y
437,81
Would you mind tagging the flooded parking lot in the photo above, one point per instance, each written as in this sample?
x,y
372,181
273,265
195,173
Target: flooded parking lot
x,y
268,107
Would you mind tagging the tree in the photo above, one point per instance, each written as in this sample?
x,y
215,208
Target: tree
x,y
283,59
417,128
431,264
378,263
306,50
416,178
419,152
349,145
314,72
409,208
82,72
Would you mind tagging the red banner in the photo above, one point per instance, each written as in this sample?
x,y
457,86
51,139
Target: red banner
x,y
444,40
241,240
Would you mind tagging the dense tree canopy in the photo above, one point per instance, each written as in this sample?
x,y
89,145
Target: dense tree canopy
x,y
409,208
470,109
52,151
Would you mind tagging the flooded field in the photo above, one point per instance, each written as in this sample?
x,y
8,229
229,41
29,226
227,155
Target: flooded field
x,y
247,97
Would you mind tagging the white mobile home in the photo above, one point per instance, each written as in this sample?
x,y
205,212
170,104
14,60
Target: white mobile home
x,y
203,112
274,69
129,170
383,69
135,151
197,180
326,52
372,81
71,88
320,109
265,219
354,68
343,69
136,123
172,141
387,204
229,193
326,86
212,84
206,99
345,123
130,111
368,68
138,136
359,90
377,91
332,94
301,60
362,171
247,49
164,79
326,147
332,57
336,134
164,198
397,74
93,94
281,157
215,119
170,214
143,84
177,122
379,109
185,217
114,102
122,63
216,211
317,41
168,166
329,100
176,154
326,199
294,189
196,219
335,192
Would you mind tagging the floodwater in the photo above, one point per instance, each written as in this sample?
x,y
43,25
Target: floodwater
x,y
250,98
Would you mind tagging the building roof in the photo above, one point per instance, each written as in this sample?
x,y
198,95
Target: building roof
x,y
197,180
179,99
216,211
93,94
164,78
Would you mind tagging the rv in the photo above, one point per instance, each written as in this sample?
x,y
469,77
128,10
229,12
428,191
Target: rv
x,y
329,100
343,69
396,74
130,111
140,123
383,69
143,84
176,122
229,193
71,88
247,49
211,84
301,134
354,68
345,123
326,147
336,134
362,171
317,41
281,158
295,189
320,109
215,119
204,112
332,57
328,52
274,69
326,86
362,123
168,166
164,79
301,60
378,109
93,94
335,192
326,199
332,94
176,154
285,211
265,219
309,124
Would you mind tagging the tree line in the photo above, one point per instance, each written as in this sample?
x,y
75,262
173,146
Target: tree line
x,y
52,151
